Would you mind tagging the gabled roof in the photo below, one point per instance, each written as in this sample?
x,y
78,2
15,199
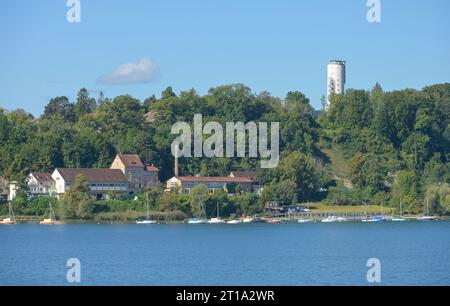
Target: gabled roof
x,y
149,117
93,175
131,160
151,168
253,175
43,177
217,179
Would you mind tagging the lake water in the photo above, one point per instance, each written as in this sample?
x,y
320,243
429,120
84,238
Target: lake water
x,y
411,253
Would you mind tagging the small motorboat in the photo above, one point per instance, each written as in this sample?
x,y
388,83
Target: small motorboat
x,y
259,220
305,220
197,221
47,222
333,219
146,221
427,218
374,219
235,221
275,221
398,219
248,220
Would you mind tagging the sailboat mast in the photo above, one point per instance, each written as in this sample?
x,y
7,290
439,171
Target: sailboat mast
x,y
218,214
148,206
401,209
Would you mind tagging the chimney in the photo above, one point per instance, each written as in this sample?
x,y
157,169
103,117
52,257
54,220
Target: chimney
x,y
176,167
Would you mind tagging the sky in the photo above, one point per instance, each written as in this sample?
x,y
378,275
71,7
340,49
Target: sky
x,y
139,47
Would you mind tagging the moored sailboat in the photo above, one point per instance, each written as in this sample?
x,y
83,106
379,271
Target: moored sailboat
x,y
399,218
217,220
427,217
52,219
11,220
147,219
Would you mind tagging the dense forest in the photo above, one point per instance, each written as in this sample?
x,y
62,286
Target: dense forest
x,y
368,147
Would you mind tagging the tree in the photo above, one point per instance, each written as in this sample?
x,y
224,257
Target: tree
x,y
76,202
406,189
438,199
84,104
199,195
60,106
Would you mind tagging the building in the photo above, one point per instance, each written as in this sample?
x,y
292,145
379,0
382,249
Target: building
x,y
150,117
40,183
140,177
185,184
127,174
335,78
100,181
4,189
13,186
252,175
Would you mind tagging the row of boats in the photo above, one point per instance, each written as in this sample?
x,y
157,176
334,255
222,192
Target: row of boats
x,y
11,220
234,221
337,219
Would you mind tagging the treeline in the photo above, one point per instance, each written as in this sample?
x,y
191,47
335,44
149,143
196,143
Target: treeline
x,y
395,145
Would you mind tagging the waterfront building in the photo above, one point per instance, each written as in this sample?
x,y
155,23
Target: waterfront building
x,y
40,183
100,181
252,175
139,176
185,184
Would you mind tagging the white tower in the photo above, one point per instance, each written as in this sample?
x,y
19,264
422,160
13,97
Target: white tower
x,y
336,78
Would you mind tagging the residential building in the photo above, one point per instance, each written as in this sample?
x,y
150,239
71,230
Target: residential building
x,y
150,117
40,183
252,175
100,181
140,177
185,184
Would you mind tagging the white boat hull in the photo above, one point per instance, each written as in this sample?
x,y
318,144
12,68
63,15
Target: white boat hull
x,y
146,222
197,222
216,221
8,221
235,222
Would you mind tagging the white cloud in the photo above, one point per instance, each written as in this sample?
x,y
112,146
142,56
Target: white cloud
x,y
144,71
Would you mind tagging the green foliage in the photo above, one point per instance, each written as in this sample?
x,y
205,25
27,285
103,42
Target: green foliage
x,y
76,202
395,145
39,206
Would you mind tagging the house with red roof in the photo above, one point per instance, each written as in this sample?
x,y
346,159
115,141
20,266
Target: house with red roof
x,y
40,183
185,184
140,176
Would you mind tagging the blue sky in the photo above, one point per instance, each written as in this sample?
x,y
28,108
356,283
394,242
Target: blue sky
x,y
273,45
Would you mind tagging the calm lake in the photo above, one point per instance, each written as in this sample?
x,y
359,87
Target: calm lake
x,y
411,253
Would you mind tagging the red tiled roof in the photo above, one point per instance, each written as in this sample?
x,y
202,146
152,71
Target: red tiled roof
x,y
218,179
131,160
43,176
149,117
93,175
253,175
152,168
